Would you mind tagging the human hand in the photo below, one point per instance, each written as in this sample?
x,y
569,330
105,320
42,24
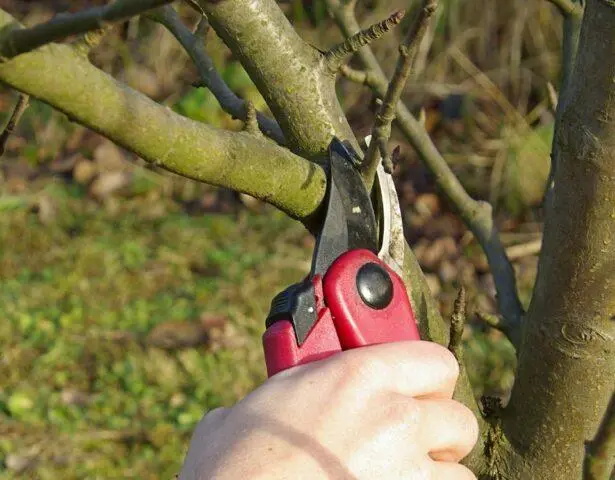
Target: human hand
x,y
383,411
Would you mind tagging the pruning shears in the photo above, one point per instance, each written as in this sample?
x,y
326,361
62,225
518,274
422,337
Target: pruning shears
x,y
354,295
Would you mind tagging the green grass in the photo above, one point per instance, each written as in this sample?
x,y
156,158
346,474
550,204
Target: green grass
x,y
82,392
78,299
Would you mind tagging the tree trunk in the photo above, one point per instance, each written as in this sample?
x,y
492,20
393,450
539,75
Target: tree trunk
x,y
566,371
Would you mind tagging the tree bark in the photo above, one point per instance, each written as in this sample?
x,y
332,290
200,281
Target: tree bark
x,y
63,77
290,74
566,371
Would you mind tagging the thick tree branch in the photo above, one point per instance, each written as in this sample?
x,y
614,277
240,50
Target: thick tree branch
x,y
566,368
381,131
20,107
210,78
571,30
15,41
289,73
63,78
599,461
476,215
338,54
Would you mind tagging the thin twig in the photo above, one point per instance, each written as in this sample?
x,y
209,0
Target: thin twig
x,y
476,215
338,54
20,107
458,320
209,77
501,323
381,131
568,7
599,463
362,77
22,40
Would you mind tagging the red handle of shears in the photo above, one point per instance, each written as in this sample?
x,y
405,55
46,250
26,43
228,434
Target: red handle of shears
x,y
345,321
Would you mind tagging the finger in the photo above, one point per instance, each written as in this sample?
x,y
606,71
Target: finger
x,y
415,369
451,471
449,429
211,421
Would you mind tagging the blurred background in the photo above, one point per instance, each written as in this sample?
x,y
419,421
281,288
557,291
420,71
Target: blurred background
x,y
133,300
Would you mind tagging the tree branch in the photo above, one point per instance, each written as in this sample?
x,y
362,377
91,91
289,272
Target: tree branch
x,y
15,41
565,372
381,131
499,323
210,78
571,31
338,54
289,73
476,215
20,107
599,461
63,78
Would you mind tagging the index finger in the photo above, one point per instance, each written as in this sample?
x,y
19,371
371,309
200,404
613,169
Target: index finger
x,y
412,368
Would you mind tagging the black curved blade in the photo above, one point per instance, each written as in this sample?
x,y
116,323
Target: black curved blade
x,y
349,221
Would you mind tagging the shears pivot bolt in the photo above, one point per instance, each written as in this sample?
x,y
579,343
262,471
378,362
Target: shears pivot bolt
x,y
375,286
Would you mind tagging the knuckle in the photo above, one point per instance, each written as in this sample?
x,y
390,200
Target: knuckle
x,y
363,368
443,359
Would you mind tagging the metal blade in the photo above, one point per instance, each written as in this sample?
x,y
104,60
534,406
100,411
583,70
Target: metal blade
x,y
390,222
349,222
392,240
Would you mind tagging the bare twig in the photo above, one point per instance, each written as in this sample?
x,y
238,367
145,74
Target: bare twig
x,y
476,215
338,54
458,320
362,77
20,107
501,323
599,463
381,131
568,7
18,40
209,77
